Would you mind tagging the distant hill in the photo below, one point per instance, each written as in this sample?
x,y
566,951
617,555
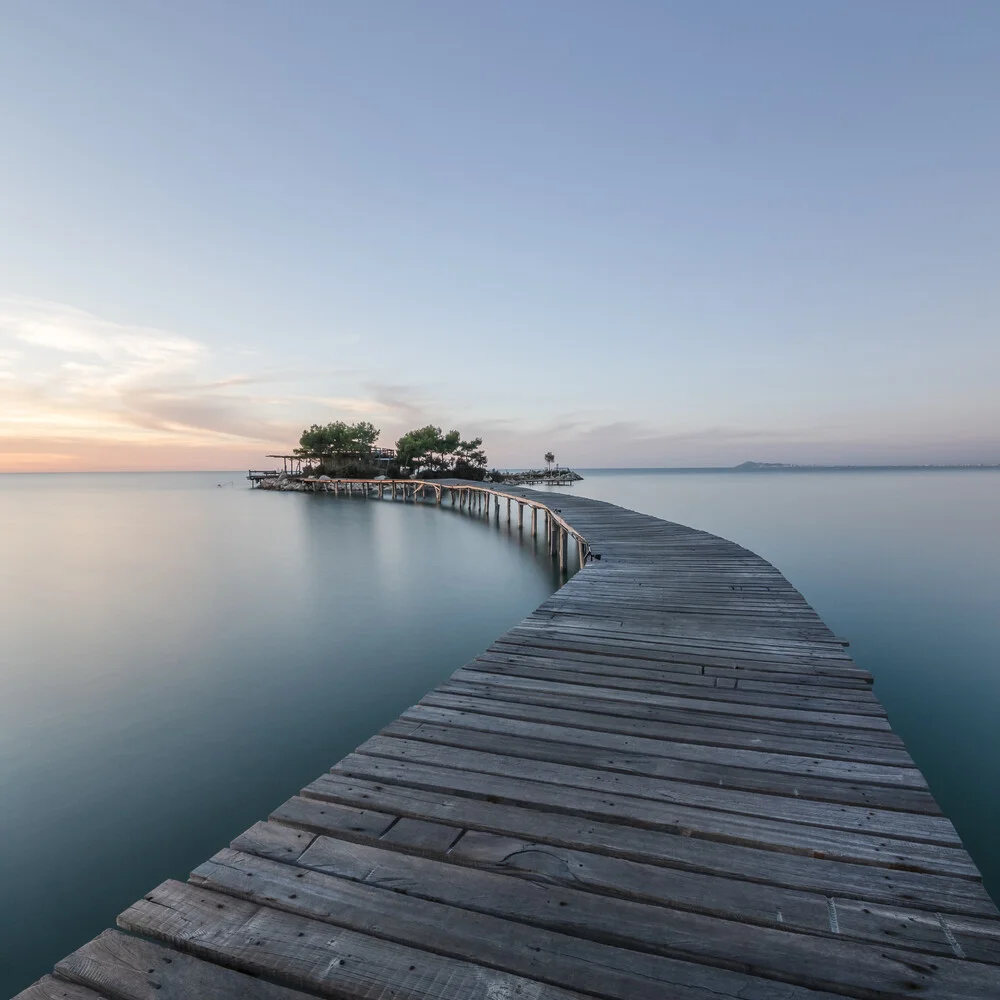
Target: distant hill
x,y
770,466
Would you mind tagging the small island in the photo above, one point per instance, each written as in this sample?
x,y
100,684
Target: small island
x,y
339,450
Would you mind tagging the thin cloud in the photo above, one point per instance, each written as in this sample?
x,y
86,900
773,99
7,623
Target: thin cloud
x,y
79,381
66,330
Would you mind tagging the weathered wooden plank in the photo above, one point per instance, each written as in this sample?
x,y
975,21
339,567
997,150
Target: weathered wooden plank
x,y
886,883
51,988
961,936
800,682
821,718
575,912
772,782
809,701
539,724
265,839
581,637
708,824
907,826
129,968
563,960
312,954
420,835
637,708
673,726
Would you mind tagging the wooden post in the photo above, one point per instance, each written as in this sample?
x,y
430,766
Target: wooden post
x,y
508,510
520,515
440,495
534,521
563,543
581,555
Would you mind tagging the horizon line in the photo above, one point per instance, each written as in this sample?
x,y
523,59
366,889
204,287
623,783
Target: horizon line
x,y
742,467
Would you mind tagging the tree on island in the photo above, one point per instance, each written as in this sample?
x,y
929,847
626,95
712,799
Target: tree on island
x,y
338,438
549,459
439,454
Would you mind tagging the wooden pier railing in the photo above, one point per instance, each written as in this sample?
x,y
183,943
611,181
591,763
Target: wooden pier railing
x,y
669,782
466,495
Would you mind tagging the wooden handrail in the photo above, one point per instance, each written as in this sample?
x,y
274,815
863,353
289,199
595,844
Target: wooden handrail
x,y
468,487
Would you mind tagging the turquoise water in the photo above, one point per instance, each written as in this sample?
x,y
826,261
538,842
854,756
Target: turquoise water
x,y
178,658
904,564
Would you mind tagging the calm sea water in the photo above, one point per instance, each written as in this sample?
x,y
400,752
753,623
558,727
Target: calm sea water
x,y
178,658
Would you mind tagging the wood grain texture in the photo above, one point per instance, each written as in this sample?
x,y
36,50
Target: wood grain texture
x,y
311,954
129,968
51,988
669,781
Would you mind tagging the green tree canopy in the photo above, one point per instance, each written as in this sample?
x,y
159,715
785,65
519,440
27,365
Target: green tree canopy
x,y
549,458
338,438
428,447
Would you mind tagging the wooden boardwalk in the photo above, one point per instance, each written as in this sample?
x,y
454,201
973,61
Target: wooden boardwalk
x,y
669,781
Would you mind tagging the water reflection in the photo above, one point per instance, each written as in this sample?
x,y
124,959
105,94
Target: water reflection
x,y
178,659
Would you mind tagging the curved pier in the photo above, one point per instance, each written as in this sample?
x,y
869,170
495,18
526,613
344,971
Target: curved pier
x,y
669,781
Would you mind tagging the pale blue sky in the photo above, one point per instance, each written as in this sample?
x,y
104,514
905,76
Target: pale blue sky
x,y
638,234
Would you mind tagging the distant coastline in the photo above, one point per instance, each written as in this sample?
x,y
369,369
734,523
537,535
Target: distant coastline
x,y
780,466
753,467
